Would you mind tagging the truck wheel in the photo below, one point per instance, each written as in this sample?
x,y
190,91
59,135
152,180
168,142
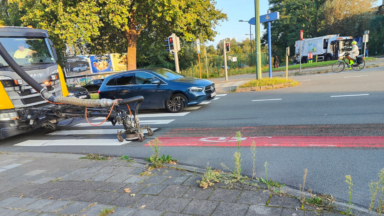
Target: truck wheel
x,y
327,58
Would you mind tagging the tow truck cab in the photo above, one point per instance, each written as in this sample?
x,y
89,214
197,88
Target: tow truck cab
x,y
34,52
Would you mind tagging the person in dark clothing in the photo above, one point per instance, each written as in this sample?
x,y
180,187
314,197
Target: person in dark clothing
x,y
276,62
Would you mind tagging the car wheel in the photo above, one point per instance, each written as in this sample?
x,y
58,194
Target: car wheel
x,y
176,103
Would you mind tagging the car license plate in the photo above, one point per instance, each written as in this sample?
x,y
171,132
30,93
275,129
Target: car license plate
x,y
33,91
213,94
82,97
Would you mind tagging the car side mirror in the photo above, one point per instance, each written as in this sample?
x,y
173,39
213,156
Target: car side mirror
x,y
156,82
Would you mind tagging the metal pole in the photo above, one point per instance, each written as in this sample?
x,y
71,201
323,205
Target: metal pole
x,y
175,53
286,63
225,62
300,57
270,47
365,43
257,40
198,56
206,61
250,36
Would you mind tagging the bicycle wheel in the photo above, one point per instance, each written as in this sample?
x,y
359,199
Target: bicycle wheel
x,y
358,67
338,66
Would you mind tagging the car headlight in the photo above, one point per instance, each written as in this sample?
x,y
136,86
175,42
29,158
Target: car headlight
x,y
71,94
196,89
8,116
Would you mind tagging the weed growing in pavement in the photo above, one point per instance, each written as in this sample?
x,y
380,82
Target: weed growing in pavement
x,y
209,178
106,212
302,189
126,158
253,151
155,146
95,157
268,181
377,188
348,180
155,159
56,180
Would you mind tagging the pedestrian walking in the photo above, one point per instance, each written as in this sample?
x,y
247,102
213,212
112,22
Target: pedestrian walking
x,y
366,51
276,62
310,57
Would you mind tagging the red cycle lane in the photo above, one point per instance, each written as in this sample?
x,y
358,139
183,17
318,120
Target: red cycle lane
x,y
278,141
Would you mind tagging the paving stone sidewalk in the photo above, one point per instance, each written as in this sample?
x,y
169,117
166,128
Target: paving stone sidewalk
x,y
42,184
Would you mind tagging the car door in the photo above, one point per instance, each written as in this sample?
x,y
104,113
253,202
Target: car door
x,y
150,92
125,86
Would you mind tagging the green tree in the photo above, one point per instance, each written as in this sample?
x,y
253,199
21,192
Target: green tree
x,y
122,25
10,14
68,22
154,20
295,15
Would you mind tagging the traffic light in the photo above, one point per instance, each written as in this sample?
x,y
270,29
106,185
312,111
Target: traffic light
x,y
169,43
227,46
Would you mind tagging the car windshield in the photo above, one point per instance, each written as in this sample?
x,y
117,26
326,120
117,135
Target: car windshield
x,y
167,74
27,51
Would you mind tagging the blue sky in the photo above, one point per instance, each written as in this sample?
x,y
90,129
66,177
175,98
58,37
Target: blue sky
x,y
240,10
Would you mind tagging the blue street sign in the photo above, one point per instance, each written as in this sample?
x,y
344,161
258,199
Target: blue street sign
x,y
266,18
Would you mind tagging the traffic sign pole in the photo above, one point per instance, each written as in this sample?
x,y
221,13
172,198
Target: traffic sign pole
x,y
301,39
286,63
198,53
270,47
225,61
257,40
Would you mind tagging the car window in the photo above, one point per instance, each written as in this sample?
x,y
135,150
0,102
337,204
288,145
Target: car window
x,y
144,78
126,79
167,74
111,82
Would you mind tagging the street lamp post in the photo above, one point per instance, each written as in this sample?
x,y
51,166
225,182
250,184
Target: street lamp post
x,y
250,32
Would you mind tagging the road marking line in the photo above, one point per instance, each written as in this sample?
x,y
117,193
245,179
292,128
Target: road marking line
x,y
221,95
87,132
283,141
356,95
355,76
205,102
192,108
142,122
35,172
303,80
11,166
153,115
73,142
216,98
269,99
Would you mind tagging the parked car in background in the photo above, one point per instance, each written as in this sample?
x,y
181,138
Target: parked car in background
x,y
94,85
224,67
78,92
80,67
161,88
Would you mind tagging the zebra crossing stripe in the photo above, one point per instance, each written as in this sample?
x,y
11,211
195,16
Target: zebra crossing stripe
x,y
154,115
89,132
205,102
192,108
73,142
221,95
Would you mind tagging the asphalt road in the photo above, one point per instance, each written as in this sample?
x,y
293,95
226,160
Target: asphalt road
x,y
333,125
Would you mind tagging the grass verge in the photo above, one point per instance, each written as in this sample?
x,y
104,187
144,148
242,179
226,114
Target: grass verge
x,y
94,96
269,82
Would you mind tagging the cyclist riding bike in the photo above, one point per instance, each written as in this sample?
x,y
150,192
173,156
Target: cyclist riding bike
x,y
351,56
